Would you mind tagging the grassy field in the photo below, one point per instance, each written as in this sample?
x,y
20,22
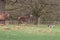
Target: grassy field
x,y
29,32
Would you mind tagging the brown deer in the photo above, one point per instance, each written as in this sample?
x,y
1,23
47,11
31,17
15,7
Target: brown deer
x,y
25,18
22,19
3,17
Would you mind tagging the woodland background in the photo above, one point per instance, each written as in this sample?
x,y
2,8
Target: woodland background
x,y
42,10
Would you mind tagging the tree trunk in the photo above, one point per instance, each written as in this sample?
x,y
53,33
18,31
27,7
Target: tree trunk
x,y
39,20
35,20
2,4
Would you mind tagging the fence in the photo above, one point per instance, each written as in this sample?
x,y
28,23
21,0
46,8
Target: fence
x,y
42,22
50,22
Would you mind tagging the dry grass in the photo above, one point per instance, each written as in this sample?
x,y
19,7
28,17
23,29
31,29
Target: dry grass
x,y
28,29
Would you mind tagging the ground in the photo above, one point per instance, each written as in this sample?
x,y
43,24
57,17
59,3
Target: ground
x,y
29,32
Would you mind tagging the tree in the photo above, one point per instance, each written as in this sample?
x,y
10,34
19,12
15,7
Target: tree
x,y
39,9
8,5
2,3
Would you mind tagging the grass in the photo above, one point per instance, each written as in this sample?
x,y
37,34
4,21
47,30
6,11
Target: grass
x,y
29,32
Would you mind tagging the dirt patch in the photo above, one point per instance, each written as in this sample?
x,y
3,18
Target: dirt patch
x,y
1,24
7,28
48,31
16,28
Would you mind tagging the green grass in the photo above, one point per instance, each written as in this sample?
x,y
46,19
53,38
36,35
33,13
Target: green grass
x,y
30,32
